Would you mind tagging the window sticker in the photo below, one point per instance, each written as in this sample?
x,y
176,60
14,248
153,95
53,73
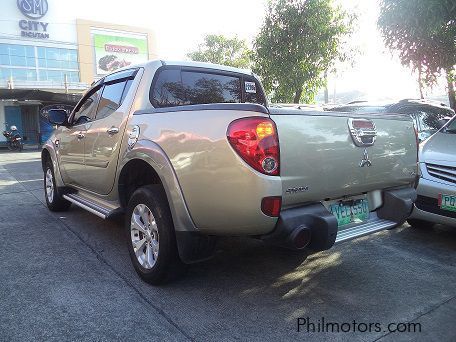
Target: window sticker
x,y
250,87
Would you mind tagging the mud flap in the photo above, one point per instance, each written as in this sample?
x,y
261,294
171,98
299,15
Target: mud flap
x,y
322,224
397,204
194,247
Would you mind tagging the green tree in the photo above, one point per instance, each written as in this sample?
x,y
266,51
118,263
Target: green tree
x,y
423,32
298,42
222,50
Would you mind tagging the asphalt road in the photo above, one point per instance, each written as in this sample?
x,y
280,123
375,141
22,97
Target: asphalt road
x,y
68,277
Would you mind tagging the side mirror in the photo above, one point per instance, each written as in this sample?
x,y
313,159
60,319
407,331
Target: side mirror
x,y
57,117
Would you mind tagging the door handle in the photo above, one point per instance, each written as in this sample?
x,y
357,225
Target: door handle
x,y
80,135
112,130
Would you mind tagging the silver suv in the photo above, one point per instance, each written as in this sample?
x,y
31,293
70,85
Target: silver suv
x,y
191,151
436,201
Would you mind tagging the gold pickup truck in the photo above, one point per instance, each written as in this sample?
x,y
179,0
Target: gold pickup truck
x,y
190,151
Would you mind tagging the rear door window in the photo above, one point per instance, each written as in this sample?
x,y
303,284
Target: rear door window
x,y
110,99
126,89
201,88
167,90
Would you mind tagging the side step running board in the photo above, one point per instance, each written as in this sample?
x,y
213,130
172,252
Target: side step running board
x,y
96,209
366,228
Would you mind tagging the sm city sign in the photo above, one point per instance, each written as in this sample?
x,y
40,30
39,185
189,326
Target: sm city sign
x,y
33,9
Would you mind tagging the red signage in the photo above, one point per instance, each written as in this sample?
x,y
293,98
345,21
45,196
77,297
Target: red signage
x,y
121,49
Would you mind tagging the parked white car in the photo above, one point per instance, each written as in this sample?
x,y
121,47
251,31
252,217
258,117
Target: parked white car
x,y
436,201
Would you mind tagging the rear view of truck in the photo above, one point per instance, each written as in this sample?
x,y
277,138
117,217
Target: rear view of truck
x,y
293,177
343,175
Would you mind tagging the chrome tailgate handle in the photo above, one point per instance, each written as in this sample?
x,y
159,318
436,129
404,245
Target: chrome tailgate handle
x,y
112,130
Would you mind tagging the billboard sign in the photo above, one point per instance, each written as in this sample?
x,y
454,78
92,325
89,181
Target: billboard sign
x,y
114,50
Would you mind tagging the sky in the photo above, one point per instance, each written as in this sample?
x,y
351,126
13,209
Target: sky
x,y
181,25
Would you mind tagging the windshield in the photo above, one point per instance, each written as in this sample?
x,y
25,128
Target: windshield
x,y
429,122
451,127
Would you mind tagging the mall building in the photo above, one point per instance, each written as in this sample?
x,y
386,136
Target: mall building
x,y
48,58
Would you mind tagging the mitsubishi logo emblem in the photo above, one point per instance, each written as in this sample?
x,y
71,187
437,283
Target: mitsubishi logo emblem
x,y
365,161
363,131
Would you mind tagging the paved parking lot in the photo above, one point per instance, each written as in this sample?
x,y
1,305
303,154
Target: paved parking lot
x,y
68,276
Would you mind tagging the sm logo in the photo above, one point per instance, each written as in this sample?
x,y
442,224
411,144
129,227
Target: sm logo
x,y
33,9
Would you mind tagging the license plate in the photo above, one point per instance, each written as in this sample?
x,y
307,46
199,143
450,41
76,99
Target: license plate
x,y
447,202
348,212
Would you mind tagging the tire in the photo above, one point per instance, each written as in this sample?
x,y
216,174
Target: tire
x,y
149,225
420,224
54,201
17,146
396,226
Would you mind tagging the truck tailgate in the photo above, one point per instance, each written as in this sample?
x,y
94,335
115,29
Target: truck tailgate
x,y
319,159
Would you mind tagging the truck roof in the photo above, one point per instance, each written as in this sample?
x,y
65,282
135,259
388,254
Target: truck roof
x,y
194,65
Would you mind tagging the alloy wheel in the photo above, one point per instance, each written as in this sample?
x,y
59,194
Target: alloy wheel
x,y
49,186
144,236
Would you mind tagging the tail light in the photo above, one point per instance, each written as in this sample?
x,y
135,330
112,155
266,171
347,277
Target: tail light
x,y
257,143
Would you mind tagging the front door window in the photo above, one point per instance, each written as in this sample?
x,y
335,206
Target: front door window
x,y
86,111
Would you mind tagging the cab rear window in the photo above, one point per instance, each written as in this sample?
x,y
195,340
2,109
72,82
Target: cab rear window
x,y
176,87
201,88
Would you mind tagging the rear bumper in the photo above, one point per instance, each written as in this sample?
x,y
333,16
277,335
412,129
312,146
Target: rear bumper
x,y
319,226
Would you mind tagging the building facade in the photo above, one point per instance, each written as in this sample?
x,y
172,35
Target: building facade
x,y
47,58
